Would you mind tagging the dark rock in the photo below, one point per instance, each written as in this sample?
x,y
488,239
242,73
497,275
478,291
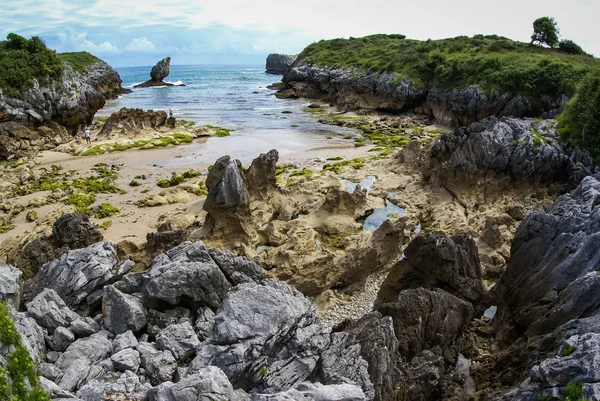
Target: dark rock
x,y
518,149
157,321
205,321
434,261
161,241
161,70
279,63
132,121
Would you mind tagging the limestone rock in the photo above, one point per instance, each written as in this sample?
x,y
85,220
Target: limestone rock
x,y
93,349
126,359
279,63
128,121
161,241
50,311
78,274
122,312
32,335
180,339
75,374
159,365
161,70
10,285
84,327
62,338
434,261
157,321
205,321
261,176
123,341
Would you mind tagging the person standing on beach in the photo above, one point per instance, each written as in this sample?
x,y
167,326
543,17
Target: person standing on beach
x,y
88,139
170,113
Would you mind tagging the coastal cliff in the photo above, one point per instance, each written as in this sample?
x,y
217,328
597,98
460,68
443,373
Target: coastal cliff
x,y
279,63
47,109
456,81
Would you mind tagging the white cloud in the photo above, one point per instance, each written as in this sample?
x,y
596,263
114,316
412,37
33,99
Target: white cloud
x,y
77,41
141,45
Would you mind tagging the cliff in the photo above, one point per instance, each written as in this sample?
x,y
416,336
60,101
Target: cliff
x,y
39,110
457,81
279,63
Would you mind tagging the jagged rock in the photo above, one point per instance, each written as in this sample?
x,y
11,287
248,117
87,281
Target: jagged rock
x,y
127,359
237,269
180,339
79,274
49,371
125,387
123,341
75,374
55,392
205,321
279,63
159,365
424,319
189,270
84,327
158,321
265,335
161,241
518,149
32,335
62,338
10,285
93,349
551,277
161,70
208,383
227,204
50,311
122,312
434,261
261,176
128,121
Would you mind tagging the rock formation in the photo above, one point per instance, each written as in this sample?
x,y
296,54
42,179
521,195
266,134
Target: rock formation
x,y
158,73
513,148
131,121
351,89
279,63
43,115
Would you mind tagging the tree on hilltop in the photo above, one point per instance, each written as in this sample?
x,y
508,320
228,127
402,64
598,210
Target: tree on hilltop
x,y
545,32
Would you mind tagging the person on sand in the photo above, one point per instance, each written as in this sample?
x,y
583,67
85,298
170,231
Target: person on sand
x,y
88,138
170,112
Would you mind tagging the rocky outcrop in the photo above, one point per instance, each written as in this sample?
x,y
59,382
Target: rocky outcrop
x,y
262,338
279,63
352,89
261,176
159,72
507,147
228,204
42,116
131,121
70,231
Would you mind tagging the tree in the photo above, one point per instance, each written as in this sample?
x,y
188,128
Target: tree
x,y
545,32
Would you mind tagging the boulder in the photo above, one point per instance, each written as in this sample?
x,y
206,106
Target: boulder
x,y
261,177
62,338
32,335
161,70
205,321
159,365
161,241
126,359
123,341
10,285
93,349
84,327
78,275
435,261
180,339
75,374
126,387
129,122
50,311
157,321
122,312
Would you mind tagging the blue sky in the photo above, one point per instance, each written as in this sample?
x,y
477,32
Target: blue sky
x,y
132,32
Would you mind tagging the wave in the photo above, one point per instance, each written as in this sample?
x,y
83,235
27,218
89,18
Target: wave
x,y
175,83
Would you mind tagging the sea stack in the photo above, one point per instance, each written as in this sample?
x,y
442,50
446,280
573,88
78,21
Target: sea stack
x,y
279,63
159,72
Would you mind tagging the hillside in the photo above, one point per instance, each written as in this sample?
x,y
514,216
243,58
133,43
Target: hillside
x,y
490,62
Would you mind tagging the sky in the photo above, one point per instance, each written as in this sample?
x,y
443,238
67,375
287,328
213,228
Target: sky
x,y
139,33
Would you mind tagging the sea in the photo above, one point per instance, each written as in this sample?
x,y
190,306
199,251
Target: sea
x,y
234,97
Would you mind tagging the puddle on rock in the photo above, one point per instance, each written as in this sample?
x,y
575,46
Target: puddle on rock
x,y
364,184
375,220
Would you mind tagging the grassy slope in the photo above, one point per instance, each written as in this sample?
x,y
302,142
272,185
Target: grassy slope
x,y
79,60
489,62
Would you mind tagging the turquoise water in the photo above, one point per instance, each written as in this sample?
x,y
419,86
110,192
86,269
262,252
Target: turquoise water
x,y
234,97
390,211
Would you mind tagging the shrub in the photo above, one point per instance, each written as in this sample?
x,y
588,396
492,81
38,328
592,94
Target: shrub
x,y
570,47
580,121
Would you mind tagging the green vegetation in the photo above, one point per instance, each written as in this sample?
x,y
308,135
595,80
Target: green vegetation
x,y
335,158
287,112
174,139
355,163
79,61
31,216
281,169
580,121
177,179
104,210
305,172
23,60
18,378
335,241
220,131
106,225
5,225
490,62
573,392
134,183
568,350
186,123
82,202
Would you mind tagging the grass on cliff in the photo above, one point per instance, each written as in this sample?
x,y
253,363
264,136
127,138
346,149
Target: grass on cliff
x,y
79,61
18,376
489,62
